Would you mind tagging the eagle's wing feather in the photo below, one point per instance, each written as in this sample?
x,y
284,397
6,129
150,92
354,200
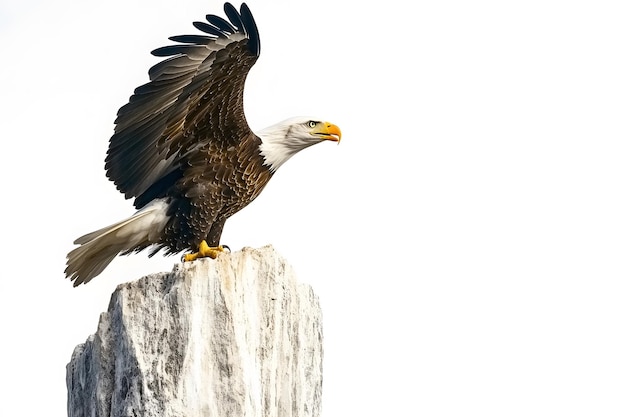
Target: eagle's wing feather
x,y
194,97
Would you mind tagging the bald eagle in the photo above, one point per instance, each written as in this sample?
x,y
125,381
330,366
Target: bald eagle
x,y
183,150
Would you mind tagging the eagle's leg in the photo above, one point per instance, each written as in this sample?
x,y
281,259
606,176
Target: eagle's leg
x,y
204,251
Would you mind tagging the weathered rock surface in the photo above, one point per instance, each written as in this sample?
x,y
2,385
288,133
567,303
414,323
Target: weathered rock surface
x,y
235,336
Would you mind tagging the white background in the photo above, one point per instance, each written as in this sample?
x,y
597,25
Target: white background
x,y
467,238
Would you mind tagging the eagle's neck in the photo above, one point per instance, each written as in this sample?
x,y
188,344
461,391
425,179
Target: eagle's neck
x,y
279,143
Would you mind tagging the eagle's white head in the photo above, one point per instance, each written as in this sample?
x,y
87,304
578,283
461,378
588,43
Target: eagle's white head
x,y
283,140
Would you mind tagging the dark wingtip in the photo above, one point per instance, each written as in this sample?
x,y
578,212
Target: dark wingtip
x,y
192,39
251,29
240,21
233,16
210,29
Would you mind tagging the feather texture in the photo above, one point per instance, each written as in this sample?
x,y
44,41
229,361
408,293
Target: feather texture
x,y
97,249
183,150
193,98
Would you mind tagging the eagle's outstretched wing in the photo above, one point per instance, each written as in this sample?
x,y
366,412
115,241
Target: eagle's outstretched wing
x,y
194,97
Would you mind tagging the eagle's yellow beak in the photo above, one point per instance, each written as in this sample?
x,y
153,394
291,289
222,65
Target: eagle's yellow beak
x,y
328,131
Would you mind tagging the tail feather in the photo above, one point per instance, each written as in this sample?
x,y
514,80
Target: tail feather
x,y
97,249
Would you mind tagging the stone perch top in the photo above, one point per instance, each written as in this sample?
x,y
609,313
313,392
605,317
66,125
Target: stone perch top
x,y
232,336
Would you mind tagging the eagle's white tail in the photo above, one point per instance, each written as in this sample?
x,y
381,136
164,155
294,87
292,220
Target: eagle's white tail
x,y
97,249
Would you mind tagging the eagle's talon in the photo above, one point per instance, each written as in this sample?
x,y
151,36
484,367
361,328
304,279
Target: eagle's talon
x,y
204,251
226,248
189,257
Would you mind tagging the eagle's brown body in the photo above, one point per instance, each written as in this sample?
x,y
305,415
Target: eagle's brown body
x,y
183,150
197,151
213,190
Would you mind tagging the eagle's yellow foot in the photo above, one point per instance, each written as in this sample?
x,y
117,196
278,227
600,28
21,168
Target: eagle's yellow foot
x,y
204,251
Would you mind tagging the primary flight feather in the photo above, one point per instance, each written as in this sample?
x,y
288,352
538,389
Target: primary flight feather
x,y
183,150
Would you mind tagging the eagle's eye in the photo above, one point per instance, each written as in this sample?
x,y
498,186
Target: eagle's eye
x,y
312,124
